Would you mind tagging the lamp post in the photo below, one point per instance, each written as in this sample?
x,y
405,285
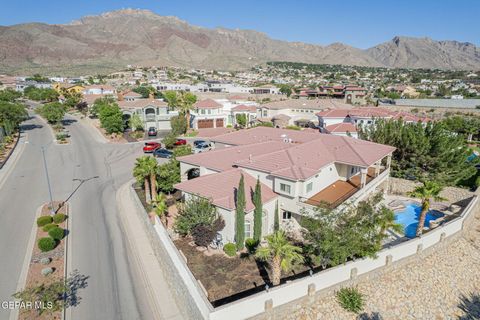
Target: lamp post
x,y
48,178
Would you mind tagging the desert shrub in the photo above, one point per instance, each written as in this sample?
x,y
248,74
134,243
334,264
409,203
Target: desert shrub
x,y
44,220
56,233
59,217
49,226
265,124
47,271
350,299
230,249
45,261
46,244
204,234
61,136
251,245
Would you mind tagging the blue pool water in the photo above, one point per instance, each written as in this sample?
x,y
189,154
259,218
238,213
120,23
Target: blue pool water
x,y
408,217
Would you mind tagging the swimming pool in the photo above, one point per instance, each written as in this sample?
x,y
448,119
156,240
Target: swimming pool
x,y
408,217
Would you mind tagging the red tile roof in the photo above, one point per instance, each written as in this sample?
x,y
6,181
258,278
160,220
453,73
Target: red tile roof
x,y
262,134
207,104
304,160
132,94
141,103
223,159
341,127
221,188
242,107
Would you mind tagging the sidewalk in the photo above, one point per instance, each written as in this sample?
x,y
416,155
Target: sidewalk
x,y
161,301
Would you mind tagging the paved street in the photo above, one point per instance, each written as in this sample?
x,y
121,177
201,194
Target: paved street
x,y
99,251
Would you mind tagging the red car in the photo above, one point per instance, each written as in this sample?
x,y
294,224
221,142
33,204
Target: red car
x,y
180,142
151,146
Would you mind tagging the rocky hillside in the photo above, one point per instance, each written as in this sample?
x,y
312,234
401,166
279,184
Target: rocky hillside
x,y
114,39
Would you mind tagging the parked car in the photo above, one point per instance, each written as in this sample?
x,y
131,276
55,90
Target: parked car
x,y
198,142
202,147
180,142
149,147
163,153
152,132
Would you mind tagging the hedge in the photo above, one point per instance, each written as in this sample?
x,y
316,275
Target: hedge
x,y
49,226
44,220
56,233
46,244
59,218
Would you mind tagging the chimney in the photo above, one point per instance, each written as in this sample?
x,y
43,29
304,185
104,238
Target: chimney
x,y
120,96
250,158
151,96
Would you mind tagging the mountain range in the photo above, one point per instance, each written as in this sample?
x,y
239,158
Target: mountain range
x,y
110,41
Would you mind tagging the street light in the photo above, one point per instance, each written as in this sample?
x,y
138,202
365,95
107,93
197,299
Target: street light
x,y
82,181
44,147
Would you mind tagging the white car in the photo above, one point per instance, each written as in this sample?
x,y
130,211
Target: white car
x,y
202,147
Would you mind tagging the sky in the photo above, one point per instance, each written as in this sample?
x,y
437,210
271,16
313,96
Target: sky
x,y
361,24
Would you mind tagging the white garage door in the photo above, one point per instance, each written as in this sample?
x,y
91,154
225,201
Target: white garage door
x,y
164,125
151,124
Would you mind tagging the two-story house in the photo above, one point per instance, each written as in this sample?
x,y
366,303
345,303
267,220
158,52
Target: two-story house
x,y
208,113
154,113
298,171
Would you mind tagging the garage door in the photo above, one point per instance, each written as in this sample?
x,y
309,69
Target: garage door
x,y
219,123
150,124
164,125
205,124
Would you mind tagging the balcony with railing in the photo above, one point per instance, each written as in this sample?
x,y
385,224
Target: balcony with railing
x,y
340,191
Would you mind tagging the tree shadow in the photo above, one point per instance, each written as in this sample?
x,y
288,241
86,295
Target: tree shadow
x,y
263,272
74,282
28,127
67,122
371,316
471,306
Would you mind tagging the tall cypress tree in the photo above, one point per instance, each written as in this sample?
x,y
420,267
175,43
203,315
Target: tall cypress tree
x,y
276,220
240,215
257,214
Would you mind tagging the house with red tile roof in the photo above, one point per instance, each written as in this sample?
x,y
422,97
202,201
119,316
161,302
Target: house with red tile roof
x,y
154,113
208,113
363,116
298,170
342,129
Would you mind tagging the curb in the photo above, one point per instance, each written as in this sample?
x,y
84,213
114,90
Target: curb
x,y
22,280
14,156
11,151
67,260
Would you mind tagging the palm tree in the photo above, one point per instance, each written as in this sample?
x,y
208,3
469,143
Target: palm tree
x,y
185,102
171,99
426,192
160,205
145,171
280,254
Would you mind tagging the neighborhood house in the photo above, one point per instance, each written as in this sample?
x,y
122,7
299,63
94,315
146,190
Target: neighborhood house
x,y
298,170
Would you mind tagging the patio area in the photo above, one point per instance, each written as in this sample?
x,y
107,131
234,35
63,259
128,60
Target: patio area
x,y
340,190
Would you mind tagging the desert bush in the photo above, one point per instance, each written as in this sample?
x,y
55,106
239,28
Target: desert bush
x,y
59,217
49,226
44,220
47,271
46,244
45,261
350,299
56,233
293,127
230,249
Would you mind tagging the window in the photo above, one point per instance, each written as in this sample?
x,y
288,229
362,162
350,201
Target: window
x,y
248,229
202,111
309,187
352,170
287,215
284,188
265,114
209,111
